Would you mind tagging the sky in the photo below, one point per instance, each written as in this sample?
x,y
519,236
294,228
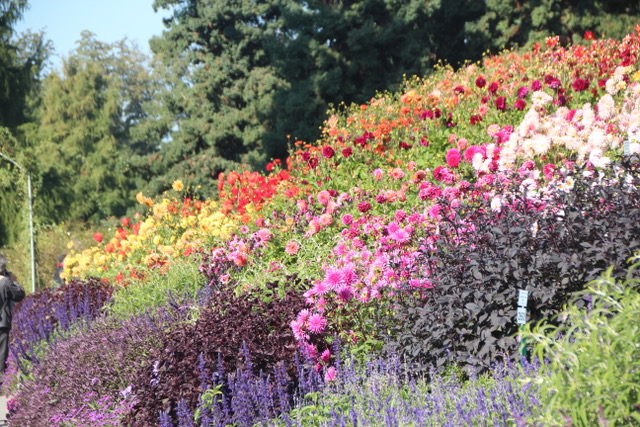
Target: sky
x,y
110,20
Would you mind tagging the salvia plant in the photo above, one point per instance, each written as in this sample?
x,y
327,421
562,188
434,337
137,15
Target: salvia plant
x,y
384,391
43,316
214,342
93,369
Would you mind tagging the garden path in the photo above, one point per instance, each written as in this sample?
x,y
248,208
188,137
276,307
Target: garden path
x,y
3,410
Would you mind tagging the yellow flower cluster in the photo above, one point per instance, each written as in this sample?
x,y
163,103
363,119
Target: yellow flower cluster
x,y
172,229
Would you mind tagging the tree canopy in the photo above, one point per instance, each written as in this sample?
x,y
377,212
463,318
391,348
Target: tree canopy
x,y
21,62
512,23
82,140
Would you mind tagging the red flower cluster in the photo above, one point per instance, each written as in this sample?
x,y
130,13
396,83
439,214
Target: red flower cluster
x,y
237,190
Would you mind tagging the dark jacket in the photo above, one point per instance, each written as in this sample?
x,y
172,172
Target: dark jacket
x,y
10,293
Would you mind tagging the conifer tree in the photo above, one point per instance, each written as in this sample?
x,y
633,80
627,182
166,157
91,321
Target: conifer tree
x,y
251,72
14,74
512,23
82,140
21,62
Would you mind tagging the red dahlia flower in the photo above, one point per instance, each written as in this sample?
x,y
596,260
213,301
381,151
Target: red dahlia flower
x,y
580,84
327,152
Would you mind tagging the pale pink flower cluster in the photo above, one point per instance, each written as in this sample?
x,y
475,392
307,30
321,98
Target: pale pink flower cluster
x,y
292,247
589,132
629,118
330,205
617,82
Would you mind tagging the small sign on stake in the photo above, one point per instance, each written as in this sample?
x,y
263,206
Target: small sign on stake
x,y
521,318
626,147
523,296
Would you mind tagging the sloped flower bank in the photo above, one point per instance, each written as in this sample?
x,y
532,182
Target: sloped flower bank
x,y
408,228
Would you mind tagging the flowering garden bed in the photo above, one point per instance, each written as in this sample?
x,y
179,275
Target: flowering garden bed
x,y
373,276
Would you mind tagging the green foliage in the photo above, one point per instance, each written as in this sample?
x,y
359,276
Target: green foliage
x,y
317,411
593,372
14,208
14,75
182,280
511,23
82,145
219,93
22,61
13,188
347,52
209,398
53,242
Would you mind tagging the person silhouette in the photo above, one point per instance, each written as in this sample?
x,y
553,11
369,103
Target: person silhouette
x,y
10,293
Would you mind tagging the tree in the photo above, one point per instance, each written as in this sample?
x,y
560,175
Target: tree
x,y
22,60
337,52
511,23
219,95
15,71
12,222
251,72
82,139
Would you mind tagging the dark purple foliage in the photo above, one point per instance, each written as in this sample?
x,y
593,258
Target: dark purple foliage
x,y
227,328
551,250
248,398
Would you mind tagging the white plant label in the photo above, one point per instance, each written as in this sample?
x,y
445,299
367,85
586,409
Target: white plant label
x,y
523,296
521,317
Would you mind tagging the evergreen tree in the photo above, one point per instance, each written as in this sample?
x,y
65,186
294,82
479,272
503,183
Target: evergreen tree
x,y
251,72
218,98
82,138
15,75
344,52
511,23
22,60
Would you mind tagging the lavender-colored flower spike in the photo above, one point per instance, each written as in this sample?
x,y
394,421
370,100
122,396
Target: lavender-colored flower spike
x,y
165,419
185,415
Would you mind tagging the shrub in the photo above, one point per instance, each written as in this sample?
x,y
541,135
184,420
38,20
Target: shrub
x,y
191,353
483,256
592,374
